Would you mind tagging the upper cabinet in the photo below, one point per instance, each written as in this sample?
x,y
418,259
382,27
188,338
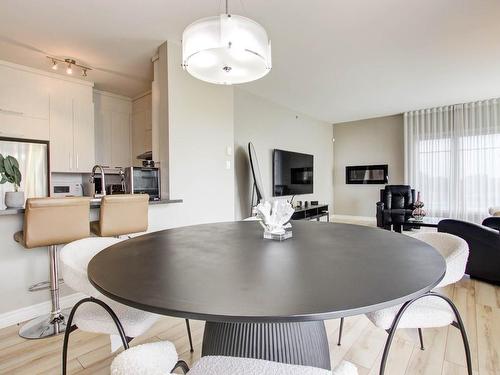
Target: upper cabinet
x,y
71,128
24,102
112,129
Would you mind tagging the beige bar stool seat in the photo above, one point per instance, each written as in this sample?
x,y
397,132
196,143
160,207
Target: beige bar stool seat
x,y
122,214
51,222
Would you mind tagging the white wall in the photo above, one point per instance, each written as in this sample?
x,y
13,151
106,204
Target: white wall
x,y
269,126
366,142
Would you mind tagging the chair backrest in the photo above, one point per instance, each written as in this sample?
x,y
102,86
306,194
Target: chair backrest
x,y
123,214
397,196
54,221
454,250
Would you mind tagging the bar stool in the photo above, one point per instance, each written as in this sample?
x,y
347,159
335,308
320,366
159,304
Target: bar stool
x,y
51,222
122,214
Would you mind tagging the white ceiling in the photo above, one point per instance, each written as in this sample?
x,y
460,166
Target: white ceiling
x,y
335,60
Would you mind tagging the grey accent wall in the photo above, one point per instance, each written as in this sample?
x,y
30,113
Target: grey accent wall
x,y
366,142
269,126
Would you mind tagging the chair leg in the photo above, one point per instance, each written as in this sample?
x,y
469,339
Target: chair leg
x,y
459,324
340,331
119,326
421,337
182,365
189,336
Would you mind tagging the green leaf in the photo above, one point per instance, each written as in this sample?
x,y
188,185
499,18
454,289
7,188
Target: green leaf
x,y
13,161
17,177
8,166
3,180
2,169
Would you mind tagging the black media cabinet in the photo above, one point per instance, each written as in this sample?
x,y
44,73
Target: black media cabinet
x,y
311,212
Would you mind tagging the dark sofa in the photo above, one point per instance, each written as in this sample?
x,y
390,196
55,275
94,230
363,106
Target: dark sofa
x,y
484,246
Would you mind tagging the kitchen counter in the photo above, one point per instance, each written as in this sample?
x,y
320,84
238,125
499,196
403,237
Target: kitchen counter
x,y
94,203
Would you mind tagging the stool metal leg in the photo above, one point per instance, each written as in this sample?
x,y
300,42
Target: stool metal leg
x,y
54,323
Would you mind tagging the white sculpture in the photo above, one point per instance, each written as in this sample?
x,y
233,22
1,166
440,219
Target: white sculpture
x,y
275,216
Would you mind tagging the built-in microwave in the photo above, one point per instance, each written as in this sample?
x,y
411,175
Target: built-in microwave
x,y
140,180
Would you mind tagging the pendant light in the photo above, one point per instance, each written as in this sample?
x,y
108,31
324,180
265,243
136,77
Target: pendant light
x,y
226,49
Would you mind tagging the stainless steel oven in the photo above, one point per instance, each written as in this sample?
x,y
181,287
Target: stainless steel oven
x,y
139,180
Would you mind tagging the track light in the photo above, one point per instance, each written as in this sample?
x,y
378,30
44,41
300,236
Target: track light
x,y
71,64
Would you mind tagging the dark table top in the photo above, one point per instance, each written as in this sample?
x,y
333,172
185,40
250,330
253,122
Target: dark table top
x,y
227,272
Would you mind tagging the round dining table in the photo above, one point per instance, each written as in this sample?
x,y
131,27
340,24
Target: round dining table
x,y
262,298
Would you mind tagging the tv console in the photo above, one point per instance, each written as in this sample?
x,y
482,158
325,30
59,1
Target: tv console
x,y
311,212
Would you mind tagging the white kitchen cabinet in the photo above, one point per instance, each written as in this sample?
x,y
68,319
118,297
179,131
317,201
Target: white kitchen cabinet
x,y
61,133
83,135
71,134
103,137
120,139
23,92
24,103
112,130
18,126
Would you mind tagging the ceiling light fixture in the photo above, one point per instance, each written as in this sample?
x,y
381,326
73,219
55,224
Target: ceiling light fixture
x,y
226,49
69,70
71,64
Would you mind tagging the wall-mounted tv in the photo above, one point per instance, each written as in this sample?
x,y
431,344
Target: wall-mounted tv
x,y
292,173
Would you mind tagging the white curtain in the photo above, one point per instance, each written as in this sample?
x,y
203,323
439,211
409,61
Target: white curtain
x,y
452,156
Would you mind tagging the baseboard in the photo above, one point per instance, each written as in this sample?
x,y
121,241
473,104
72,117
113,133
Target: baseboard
x,y
355,218
29,312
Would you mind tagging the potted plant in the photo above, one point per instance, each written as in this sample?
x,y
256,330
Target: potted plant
x,y
9,172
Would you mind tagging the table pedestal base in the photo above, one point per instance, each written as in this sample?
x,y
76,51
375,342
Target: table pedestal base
x,y
299,343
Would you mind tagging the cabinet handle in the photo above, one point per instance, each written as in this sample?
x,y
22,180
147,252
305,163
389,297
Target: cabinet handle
x,y
77,161
9,112
70,161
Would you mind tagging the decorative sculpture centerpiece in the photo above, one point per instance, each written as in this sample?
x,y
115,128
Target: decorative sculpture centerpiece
x,y
419,212
274,218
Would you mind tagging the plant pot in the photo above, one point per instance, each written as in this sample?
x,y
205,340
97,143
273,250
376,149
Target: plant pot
x,y
14,199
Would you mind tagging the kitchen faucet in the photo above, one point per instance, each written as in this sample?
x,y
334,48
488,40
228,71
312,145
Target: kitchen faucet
x,y
103,183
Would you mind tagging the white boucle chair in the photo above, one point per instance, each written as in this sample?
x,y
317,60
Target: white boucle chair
x,y
431,310
157,359
219,365
95,317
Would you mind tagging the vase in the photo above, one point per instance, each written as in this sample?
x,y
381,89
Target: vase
x,y
14,199
418,213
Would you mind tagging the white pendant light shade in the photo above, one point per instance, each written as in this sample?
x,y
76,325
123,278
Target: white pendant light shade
x,y
227,49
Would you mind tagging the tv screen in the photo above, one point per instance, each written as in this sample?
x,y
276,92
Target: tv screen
x,y
292,173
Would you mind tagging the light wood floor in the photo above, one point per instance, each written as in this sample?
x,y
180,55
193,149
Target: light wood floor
x,y
478,302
